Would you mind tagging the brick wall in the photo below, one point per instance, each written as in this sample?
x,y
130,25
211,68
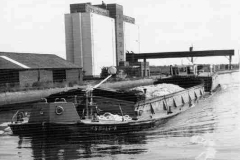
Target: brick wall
x,y
28,77
74,75
46,76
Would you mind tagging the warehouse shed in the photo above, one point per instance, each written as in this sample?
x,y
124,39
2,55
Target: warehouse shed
x,y
24,69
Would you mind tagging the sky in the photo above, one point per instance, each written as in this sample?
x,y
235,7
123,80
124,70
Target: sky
x,y
37,26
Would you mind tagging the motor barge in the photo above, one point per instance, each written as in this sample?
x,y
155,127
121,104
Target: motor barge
x,y
103,111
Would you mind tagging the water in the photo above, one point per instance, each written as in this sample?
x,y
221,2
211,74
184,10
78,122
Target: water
x,y
210,130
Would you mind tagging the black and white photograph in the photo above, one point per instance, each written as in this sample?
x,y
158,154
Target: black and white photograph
x,y
119,80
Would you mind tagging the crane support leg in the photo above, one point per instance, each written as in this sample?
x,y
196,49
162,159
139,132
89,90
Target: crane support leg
x,y
145,67
230,62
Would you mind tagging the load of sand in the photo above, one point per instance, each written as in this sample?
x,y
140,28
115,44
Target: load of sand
x,y
157,90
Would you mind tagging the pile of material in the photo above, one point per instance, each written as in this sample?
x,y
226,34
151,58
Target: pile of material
x,y
157,90
114,117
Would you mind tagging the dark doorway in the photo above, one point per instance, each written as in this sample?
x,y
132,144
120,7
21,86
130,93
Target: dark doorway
x,y
59,75
9,77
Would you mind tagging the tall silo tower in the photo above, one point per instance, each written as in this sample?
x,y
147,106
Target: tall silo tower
x,y
99,36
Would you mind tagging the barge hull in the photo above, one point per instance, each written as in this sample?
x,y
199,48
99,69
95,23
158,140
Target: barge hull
x,y
48,118
80,128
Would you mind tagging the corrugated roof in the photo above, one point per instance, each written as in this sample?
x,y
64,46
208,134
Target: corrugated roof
x,y
33,61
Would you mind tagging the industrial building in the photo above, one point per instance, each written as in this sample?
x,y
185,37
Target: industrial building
x,y
99,36
24,69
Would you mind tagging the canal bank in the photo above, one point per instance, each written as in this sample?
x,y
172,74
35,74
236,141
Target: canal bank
x,y
212,81
15,100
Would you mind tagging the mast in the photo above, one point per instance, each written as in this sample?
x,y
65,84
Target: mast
x,y
89,90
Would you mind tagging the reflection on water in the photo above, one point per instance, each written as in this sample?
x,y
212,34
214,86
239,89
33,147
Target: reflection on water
x,y
76,147
210,130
